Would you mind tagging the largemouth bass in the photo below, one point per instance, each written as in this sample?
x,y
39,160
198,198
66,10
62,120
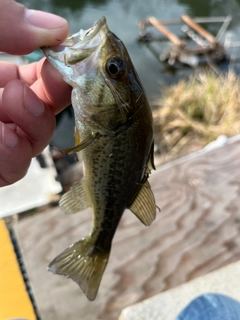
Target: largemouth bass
x,y
114,139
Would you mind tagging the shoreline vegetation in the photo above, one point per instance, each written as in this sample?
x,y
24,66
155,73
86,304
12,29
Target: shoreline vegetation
x,y
191,114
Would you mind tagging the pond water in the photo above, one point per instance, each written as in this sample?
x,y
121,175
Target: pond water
x,y
123,16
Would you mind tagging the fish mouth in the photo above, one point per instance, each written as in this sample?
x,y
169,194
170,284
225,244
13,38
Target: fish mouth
x,y
77,47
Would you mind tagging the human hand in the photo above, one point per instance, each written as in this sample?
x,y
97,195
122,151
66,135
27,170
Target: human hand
x,y
30,95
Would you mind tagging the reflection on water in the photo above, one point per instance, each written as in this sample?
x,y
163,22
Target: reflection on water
x,y
122,17
76,4
203,8
206,8
210,8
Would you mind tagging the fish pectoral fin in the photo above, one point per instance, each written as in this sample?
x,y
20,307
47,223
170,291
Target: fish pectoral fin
x,y
84,264
77,136
74,200
85,143
144,206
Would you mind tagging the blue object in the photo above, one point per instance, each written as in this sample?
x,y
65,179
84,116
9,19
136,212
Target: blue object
x,y
211,307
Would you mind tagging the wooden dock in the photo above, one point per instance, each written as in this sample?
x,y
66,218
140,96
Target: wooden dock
x,y
197,231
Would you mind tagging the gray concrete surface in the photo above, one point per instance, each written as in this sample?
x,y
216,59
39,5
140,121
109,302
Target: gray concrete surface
x,y
167,305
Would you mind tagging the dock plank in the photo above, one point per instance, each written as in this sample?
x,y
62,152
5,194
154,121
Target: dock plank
x,y
197,231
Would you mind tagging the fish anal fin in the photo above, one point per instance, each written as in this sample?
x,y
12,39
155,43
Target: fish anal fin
x,y
84,264
75,199
144,206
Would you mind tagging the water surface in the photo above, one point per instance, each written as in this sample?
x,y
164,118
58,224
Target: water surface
x,y
123,16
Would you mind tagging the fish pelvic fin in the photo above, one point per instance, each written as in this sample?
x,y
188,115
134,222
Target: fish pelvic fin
x,y
74,200
144,206
83,263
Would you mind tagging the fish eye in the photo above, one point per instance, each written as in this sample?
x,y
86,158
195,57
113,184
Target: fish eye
x,y
115,67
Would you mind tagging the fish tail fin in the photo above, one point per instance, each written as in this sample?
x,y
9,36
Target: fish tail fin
x,y
83,263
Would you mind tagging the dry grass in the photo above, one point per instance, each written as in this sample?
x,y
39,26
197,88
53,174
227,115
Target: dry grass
x,y
192,114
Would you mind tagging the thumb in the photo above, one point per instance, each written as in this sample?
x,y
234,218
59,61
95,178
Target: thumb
x,y
23,30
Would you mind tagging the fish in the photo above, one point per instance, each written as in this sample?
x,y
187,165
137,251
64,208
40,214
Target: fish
x,y
114,141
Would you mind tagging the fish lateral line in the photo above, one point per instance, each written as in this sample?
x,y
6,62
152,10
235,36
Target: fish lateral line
x,y
85,143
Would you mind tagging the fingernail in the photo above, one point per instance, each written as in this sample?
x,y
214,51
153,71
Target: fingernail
x,y
31,102
9,136
44,20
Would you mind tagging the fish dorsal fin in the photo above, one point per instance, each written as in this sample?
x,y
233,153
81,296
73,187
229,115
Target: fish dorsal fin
x,y
151,165
144,206
75,199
